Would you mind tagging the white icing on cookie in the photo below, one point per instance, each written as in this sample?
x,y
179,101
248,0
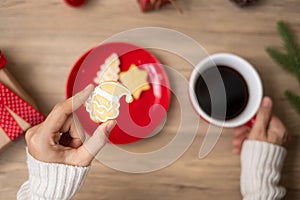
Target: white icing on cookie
x,y
109,71
104,102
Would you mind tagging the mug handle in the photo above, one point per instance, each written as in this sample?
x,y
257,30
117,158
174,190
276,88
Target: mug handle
x,y
251,122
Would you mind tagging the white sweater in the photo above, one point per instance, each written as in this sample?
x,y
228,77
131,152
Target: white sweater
x,y
49,181
261,165
260,173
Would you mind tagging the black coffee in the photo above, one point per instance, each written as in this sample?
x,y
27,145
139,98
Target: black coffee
x,y
236,90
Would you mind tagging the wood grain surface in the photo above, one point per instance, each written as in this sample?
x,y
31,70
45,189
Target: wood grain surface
x,y
42,40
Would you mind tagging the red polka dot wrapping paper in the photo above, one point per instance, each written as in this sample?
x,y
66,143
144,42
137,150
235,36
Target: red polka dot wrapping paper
x,y
10,100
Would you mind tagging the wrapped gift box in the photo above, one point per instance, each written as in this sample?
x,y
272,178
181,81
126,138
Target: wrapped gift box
x,y
148,5
18,111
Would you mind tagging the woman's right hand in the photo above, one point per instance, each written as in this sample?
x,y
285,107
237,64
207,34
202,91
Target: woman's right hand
x,y
267,128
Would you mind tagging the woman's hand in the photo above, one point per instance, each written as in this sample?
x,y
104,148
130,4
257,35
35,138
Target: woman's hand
x,y
59,139
267,128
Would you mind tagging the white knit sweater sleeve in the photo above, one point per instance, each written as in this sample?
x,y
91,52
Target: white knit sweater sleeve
x,y
51,181
261,165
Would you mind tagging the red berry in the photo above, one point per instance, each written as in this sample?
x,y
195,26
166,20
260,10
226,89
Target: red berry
x,y
75,3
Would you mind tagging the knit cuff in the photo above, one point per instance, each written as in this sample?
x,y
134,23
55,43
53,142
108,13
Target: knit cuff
x,y
261,165
54,181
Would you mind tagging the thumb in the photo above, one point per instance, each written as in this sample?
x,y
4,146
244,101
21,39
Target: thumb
x,y
96,142
263,116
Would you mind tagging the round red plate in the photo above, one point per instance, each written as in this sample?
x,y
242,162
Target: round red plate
x,y
138,119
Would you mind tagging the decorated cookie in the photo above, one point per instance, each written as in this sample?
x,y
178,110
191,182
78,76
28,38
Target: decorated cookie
x,y
109,71
103,104
135,80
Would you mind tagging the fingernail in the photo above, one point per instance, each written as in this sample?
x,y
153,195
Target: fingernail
x,y
266,102
88,87
111,125
235,151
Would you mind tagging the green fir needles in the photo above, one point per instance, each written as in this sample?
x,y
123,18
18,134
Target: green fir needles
x,y
289,60
294,100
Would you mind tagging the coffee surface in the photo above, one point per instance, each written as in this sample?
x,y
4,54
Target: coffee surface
x,y
236,91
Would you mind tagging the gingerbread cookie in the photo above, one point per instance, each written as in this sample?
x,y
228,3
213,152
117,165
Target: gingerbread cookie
x,y
135,80
103,104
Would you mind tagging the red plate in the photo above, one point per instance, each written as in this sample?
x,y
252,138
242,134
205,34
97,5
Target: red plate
x,y
138,119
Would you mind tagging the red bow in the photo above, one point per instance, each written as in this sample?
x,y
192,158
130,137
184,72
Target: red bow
x,y
2,60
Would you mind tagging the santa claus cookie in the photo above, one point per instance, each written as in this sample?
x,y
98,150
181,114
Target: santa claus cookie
x,y
104,102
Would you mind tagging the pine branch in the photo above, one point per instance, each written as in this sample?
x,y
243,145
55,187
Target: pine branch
x,y
282,59
289,61
288,38
290,45
294,100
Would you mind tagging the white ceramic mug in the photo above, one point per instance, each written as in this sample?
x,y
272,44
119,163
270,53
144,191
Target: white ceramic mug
x,y
251,77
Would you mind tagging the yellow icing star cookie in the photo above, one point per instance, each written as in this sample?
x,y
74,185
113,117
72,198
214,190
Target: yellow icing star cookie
x,y
109,71
135,80
104,102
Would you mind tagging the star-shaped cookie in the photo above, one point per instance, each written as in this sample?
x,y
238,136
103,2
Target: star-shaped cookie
x,y
135,80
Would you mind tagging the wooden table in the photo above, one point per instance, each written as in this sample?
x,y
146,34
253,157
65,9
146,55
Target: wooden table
x,y
42,40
